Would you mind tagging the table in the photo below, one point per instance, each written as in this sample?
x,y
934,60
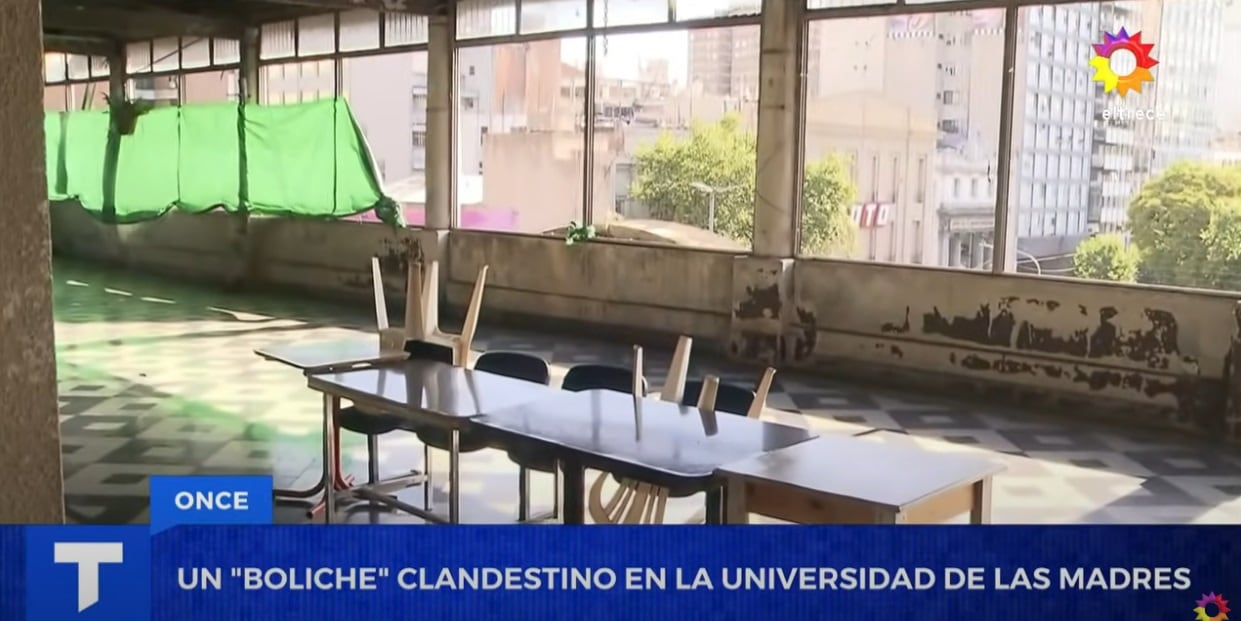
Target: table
x,y
849,480
423,393
657,442
327,356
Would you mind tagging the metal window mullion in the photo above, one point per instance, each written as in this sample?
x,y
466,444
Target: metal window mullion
x,y
1000,250
588,124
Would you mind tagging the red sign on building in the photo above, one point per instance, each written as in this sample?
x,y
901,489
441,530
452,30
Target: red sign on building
x,y
872,215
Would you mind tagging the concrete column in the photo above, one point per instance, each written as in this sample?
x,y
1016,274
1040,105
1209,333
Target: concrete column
x,y
441,145
248,83
779,129
945,247
766,326
29,426
978,252
954,250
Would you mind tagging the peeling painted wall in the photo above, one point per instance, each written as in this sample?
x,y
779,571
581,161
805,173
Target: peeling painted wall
x,y
1146,346
1030,338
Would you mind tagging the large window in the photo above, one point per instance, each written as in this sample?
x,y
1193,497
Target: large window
x,y
388,96
520,135
902,132
1131,150
675,116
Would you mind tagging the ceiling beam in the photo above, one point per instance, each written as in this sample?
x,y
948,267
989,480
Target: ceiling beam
x,y
114,22
421,7
75,44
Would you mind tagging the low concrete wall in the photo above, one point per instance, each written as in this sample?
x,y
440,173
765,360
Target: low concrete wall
x,y
1156,354
1147,354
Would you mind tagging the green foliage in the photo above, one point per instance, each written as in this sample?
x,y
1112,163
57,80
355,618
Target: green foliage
x,y
1187,221
1106,257
722,155
577,233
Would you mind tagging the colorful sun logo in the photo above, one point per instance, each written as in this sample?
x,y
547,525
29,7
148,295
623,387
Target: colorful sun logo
x,y
1102,62
1221,607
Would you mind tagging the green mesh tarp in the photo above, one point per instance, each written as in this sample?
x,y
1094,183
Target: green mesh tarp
x,y
306,160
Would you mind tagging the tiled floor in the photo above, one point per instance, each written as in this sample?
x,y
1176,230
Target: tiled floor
x,y
157,377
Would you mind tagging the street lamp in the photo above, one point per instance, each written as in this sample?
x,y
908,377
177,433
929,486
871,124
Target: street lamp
x,y
710,191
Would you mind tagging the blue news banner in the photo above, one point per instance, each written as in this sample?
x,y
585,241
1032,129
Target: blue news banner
x,y
211,554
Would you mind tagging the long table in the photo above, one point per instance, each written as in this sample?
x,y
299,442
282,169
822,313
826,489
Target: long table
x,y
419,393
653,441
744,465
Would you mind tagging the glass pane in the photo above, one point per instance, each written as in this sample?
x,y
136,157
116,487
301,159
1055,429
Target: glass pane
x,y
706,10
549,15
86,96
831,4
388,96
902,131
359,30
277,40
166,54
163,90
674,136
79,66
210,86
630,12
486,18
404,29
99,67
519,135
54,67
138,57
1133,103
56,98
297,82
195,52
227,51
316,35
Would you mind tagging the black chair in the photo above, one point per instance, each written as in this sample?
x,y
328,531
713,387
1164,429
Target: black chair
x,y
600,377
531,369
374,425
729,398
515,365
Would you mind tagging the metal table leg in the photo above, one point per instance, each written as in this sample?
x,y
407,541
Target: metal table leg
x,y
454,478
331,405
714,505
573,486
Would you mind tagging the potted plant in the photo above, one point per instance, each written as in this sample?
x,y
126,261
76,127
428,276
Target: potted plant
x,y
125,113
578,233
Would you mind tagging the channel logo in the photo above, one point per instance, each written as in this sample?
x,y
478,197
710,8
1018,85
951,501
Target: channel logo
x,y
1106,73
91,573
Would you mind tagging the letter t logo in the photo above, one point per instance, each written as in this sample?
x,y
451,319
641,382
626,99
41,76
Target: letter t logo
x,y
88,557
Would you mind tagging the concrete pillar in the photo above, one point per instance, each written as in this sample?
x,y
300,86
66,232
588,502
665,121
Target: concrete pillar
x,y
978,252
441,145
242,237
954,250
32,491
945,248
766,326
778,186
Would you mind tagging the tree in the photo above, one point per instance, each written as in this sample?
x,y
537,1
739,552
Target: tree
x,y
1187,221
722,155
1106,257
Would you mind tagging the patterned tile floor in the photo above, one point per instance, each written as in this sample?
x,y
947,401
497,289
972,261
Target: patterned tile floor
x,y
157,377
